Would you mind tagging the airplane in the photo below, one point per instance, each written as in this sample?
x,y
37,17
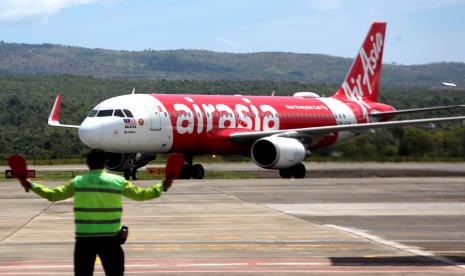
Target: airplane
x,y
278,132
451,84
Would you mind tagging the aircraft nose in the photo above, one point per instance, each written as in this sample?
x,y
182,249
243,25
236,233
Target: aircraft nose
x,y
90,133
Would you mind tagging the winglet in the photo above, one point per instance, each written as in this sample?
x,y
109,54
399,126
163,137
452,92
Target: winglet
x,y
55,114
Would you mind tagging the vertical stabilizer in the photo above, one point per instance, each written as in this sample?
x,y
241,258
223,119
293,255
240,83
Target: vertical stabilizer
x,y
362,82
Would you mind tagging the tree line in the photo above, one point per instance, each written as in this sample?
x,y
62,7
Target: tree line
x,y
26,101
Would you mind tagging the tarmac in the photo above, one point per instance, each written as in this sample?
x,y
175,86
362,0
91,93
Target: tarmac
x,y
412,225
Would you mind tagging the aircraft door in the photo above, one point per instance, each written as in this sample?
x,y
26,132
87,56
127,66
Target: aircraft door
x,y
154,117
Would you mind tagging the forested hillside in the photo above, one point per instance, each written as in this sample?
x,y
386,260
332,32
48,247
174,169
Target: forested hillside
x,y
25,103
49,59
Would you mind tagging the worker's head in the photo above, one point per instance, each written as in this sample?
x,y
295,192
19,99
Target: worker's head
x,y
96,159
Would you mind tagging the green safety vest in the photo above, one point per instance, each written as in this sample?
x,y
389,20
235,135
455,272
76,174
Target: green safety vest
x,y
98,203
98,200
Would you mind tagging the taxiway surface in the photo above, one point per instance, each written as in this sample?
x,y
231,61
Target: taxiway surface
x,y
336,226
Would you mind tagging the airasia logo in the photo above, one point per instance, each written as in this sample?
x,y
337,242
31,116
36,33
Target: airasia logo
x,y
223,116
355,90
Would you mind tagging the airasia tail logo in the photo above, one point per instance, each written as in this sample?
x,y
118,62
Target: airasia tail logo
x,y
208,116
369,64
363,80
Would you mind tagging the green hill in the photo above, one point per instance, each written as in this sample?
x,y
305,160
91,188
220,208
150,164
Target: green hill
x,y
49,59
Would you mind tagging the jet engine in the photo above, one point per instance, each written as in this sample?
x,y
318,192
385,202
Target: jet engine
x,y
278,152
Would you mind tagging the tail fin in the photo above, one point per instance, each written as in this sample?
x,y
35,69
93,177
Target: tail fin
x,y
362,82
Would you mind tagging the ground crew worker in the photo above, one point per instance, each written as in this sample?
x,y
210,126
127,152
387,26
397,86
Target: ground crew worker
x,y
97,212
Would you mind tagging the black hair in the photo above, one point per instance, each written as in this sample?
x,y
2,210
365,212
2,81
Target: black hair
x,y
96,159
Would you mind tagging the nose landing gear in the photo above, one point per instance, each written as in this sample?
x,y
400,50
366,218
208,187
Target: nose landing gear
x,y
130,173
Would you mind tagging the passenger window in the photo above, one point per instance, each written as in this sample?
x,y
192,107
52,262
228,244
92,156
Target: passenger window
x,y
128,113
92,113
118,113
105,113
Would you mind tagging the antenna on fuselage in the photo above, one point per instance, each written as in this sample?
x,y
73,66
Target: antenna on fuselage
x,y
133,91
272,93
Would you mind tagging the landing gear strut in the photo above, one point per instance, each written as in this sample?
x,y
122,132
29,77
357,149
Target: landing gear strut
x,y
131,172
297,171
189,170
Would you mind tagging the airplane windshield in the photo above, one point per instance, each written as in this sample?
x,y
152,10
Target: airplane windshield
x,y
92,113
128,113
105,113
118,113
111,112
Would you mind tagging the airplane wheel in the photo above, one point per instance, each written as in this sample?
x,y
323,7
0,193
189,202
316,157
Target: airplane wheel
x,y
185,172
197,171
299,171
127,174
134,174
285,173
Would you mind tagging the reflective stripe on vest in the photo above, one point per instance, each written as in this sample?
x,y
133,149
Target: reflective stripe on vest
x,y
98,203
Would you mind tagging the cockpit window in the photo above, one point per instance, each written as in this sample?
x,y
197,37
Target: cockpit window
x,y
118,113
92,113
105,113
128,113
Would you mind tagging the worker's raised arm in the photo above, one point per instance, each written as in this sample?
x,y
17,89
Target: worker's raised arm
x,y
138,193
56,194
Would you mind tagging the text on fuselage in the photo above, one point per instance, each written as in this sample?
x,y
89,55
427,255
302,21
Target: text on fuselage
x,y
208,116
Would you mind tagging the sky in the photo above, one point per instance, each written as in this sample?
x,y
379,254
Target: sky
x,y
418,31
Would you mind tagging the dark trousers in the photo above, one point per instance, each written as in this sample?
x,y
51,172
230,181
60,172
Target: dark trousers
x,y
107,248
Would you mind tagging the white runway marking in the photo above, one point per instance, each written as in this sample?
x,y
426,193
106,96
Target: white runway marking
x,y
372,209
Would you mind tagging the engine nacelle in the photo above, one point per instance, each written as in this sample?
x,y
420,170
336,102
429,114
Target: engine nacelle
x,y
122,161
278,152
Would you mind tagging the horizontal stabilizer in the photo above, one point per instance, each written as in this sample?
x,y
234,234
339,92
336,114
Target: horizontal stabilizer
x,y
415,110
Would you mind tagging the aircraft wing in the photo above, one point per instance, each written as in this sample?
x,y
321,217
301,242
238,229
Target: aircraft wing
x,y
248,137
415,110
55,114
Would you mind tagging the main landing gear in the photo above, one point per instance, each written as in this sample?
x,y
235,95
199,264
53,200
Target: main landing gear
x,y
130,173
190,170
297,171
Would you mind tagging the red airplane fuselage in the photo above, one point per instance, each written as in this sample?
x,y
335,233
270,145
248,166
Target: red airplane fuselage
x,y
203,123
